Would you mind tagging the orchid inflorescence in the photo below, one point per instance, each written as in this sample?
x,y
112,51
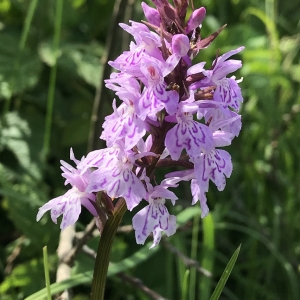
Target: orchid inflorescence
x,y
164,98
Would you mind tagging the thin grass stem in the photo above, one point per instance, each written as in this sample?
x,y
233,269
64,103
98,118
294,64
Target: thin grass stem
x,y
52,83
207,258
46,269
194,250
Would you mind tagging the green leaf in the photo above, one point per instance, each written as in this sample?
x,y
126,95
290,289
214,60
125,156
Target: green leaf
x,y
295,72
28,276
218,290
47,54
82,60
187,214
18,71
15,131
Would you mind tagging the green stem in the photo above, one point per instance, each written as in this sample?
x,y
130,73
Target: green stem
x,y
194,250
46,269
51,90
208,256
27,23
104,249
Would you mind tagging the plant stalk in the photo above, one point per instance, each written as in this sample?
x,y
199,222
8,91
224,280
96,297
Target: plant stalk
x,y
104,249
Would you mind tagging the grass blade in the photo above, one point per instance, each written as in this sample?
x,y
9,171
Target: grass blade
x,y
47,277
218,290
52,84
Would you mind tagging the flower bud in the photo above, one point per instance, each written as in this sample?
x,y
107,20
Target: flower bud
x,y
195,19
151,14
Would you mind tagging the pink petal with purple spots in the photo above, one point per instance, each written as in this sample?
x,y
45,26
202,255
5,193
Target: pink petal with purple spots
x,y
214,165
118,182
153,218
68,205
123,124
190,135
200,196
229,93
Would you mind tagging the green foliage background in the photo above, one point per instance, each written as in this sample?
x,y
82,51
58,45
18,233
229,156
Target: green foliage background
x,y
260,206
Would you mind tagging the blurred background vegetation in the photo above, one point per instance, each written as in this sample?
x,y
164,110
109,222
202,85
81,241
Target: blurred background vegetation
x,y
47,93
